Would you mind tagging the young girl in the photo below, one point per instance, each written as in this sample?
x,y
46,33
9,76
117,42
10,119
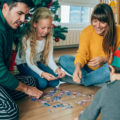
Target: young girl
x,y
37,59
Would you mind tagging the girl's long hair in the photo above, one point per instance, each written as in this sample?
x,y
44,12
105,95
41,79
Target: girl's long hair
x,y
30,34
104,13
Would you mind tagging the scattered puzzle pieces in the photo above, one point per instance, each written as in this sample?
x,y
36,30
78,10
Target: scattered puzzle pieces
x,y
53,99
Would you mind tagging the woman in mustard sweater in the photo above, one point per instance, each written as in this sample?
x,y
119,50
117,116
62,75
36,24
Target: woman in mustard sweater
x,y
98,41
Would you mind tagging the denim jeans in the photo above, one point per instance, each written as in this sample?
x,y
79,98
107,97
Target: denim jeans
x,y
89,76
42,83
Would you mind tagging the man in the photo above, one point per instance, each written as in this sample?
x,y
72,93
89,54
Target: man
x,y
12,14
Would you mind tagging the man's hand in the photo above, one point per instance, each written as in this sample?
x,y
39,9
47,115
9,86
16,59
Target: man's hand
x,y
29,90
34,92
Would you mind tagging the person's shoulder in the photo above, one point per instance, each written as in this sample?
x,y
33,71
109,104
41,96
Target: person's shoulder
x,y
115,85
2,27
118,28
88,29
106,88
116,82
111,84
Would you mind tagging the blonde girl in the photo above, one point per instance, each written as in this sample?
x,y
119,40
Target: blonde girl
x,y
37,59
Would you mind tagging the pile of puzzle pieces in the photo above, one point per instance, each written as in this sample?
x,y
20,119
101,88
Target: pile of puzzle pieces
x,y
54,98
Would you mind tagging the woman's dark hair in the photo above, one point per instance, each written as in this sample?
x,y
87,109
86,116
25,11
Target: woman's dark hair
x,y
103,12
117,70
13,3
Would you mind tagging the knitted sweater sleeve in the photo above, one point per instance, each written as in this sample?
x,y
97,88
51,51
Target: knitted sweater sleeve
x,y
83,52
6,78
27,56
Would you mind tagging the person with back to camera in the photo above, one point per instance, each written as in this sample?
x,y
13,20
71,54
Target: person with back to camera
x,y
97,42
37,46
12,14
106,100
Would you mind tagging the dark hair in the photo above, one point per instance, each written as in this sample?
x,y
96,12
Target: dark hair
x,y
13,3
103,12
117,70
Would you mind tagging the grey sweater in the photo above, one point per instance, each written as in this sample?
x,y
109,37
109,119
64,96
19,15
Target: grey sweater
x,y
106,102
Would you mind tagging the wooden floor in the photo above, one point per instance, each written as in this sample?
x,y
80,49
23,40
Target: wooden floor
x,y
34,110
67,51
30,110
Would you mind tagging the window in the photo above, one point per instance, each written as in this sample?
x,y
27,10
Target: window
x,y
71,16
79,14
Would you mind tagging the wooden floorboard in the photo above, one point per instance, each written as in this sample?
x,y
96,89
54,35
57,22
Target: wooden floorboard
x,y
30,110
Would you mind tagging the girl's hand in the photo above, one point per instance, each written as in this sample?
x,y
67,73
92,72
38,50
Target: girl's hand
x,y
60,73
48,76
97,61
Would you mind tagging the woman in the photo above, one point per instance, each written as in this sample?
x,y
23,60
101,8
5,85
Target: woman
x,y
37,59
98,41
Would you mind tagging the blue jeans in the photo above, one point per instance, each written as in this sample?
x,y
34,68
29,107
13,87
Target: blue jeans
x,y
89,76
42,83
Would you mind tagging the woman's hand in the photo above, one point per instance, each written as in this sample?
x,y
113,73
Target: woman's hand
x,y
48,76
76,118
77,75
60,73
97,61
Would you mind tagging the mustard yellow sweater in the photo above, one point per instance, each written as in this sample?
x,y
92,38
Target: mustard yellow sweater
x,y
91,45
